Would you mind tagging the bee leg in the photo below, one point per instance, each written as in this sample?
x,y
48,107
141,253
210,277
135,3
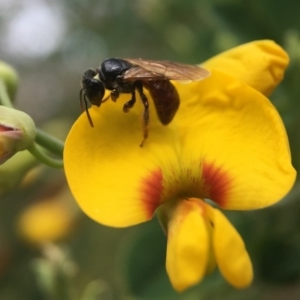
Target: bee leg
x,y
139,87
105,99
128,105
114,95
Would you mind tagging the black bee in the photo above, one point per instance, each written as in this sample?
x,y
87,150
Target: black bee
x,y
131,75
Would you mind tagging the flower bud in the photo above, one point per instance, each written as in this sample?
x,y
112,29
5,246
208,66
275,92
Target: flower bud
x,y
17,132
10,78
14,170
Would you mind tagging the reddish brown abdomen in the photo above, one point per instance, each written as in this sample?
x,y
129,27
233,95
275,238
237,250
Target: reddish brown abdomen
x,y
165,98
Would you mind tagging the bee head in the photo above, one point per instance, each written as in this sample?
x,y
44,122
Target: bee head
x,y
92,90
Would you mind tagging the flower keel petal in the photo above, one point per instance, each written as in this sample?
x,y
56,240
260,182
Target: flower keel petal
x,y
231,256
188,244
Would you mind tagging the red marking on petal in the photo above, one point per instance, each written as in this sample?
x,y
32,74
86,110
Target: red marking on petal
x,y
216,183
151,189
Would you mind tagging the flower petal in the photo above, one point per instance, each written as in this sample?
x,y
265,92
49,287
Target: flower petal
x,y
115,181
231,256
36,226
260,64
188,244
235,135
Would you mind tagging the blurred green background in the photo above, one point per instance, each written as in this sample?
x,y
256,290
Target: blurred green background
x,y
51,44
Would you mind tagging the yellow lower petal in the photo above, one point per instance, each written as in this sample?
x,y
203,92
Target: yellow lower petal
x,y
260,64
188,244
231,256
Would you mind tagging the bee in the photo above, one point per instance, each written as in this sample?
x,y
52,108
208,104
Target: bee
x,y
133,75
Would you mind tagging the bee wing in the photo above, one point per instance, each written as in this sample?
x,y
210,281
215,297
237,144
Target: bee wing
x,y
164,70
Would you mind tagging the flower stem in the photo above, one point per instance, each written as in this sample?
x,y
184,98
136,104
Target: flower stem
x,y
38,153
49,142
5,100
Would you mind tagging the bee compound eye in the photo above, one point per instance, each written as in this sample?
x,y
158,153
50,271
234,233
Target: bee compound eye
x,y
90,73
95,92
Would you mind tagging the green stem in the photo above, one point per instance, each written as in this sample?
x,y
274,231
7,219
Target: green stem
x,y
37,152
49,142
5,100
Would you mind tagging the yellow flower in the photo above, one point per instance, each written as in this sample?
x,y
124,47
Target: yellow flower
x,y
49,220
226,143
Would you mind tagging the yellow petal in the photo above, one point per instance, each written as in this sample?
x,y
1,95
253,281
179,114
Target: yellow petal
x,y
231,256
260,64
114,180
236,136
49,220
188,244
226,143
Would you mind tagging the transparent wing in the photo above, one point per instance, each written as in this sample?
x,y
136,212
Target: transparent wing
x,y
164,70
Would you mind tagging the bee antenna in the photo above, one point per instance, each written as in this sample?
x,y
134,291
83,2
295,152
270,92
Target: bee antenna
x,y
84,106
80,100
